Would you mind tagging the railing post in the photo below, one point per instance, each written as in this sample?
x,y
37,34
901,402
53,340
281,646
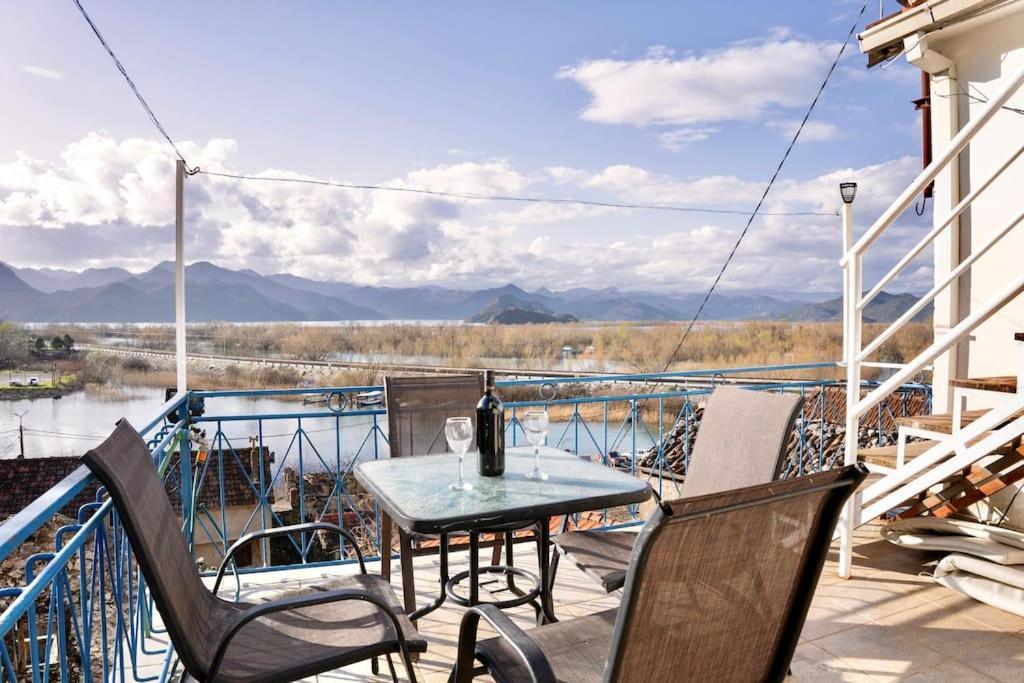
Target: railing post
x,y
179,275
851,348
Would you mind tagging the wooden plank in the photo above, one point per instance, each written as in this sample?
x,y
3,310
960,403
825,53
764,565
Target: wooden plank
x,y
965,491
886,455
1005,385
943,422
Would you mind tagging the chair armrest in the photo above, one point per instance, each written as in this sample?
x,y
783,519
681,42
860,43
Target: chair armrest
x,y
531,654
285,531
299,602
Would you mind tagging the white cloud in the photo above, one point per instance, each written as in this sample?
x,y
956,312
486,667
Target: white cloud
x,y
42,72
741,82
814,131
678,138
110,202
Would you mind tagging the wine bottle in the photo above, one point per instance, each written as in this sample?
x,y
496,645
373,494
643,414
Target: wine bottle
x,y
490,430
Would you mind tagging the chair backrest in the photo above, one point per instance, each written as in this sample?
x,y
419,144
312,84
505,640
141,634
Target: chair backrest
x,y
742,440
418,407
719,585
190,612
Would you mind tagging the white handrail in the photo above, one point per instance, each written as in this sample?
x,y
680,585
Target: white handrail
x,y
909,314
930,172
939,347
942,449
934,232
946,469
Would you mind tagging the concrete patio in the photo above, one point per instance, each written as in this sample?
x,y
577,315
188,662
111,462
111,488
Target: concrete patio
x,y
890,622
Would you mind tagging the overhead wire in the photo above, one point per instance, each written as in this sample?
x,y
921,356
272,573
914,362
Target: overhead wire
x,y
506,198
131,84
767,189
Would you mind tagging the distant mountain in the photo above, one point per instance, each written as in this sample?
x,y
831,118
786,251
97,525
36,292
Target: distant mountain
x,y
49,280
510,309
217,293
884,308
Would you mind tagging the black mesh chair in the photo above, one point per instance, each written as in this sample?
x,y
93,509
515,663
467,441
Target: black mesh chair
x,y
742,441
417,410
232,642
718,590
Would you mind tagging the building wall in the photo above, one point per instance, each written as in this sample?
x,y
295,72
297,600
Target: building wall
x,y
209,547
984,54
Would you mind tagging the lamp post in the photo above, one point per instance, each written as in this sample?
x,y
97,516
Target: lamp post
x,y
851,349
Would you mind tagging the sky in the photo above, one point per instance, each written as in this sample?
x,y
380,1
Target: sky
x,y
683,103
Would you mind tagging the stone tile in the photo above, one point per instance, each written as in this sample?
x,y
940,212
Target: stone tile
x,y
943,628
828,616
950,671
812,664
1002,660
883,651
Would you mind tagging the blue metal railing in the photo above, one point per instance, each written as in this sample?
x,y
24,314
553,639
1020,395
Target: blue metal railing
x,y
84,607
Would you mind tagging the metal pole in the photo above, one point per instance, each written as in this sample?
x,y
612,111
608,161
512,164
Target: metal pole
x,y
179,273
851,348
21,434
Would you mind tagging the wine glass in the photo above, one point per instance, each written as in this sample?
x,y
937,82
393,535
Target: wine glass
x,y
459,432
536,424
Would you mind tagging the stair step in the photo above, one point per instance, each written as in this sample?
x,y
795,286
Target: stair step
x,y
1005,385
943,422
966,490
886,455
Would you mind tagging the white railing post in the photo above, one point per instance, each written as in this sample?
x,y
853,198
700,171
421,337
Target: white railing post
x,y
851,351
179,274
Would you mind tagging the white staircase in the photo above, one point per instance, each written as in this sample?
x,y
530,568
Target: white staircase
x,y
964,445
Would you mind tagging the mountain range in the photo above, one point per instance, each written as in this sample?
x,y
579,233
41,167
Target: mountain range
x,y
214,293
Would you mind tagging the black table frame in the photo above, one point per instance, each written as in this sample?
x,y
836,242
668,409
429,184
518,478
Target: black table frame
x,y
537,516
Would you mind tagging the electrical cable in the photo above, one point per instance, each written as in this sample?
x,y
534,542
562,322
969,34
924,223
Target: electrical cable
x,y
767,189
506,198
131,84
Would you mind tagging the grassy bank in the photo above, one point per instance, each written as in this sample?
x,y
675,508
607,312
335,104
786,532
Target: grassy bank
x,y
642,348
639,347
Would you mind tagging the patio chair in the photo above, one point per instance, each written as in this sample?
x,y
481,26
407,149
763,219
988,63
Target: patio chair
x,y
417,410
233,642
742,441
718,590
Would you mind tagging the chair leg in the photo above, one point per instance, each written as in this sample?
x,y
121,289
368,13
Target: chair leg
x,y
391,667
386,528
510,580
496,550
375,666
408,582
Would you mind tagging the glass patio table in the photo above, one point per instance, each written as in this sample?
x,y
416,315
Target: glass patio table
x,y
413,492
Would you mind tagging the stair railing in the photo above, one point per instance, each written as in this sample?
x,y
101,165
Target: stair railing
x,y
903,481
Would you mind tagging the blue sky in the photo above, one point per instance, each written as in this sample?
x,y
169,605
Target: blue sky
x,y
675,102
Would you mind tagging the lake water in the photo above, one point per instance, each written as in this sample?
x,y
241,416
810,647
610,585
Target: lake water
x,y
73,424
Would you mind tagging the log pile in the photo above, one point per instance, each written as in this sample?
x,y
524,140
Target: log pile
x,y
823,439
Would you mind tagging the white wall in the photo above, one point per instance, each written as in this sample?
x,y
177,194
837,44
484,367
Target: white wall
x,y
984,54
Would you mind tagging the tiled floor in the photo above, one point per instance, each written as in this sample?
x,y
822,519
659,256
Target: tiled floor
x,y
889,622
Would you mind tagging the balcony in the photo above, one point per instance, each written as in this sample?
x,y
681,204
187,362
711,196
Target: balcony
x,y
79,610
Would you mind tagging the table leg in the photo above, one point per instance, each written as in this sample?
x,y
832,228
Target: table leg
x,y
439,600
546,603
408,582
474,567
385,546
496,550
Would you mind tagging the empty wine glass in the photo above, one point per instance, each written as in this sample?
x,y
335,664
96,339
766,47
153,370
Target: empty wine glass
x,y
459,432
535,422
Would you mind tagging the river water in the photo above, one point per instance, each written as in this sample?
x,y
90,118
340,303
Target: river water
x,y
71,425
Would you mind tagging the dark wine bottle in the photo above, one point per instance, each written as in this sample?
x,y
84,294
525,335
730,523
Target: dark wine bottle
x,y
490,430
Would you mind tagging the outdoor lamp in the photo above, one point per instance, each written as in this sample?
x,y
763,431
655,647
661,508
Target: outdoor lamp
x,y
848,192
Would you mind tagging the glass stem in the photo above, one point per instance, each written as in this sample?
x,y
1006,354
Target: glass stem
x,y
536,457
461,457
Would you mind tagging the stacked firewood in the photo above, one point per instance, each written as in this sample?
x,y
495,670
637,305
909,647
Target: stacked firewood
x,y
822,444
